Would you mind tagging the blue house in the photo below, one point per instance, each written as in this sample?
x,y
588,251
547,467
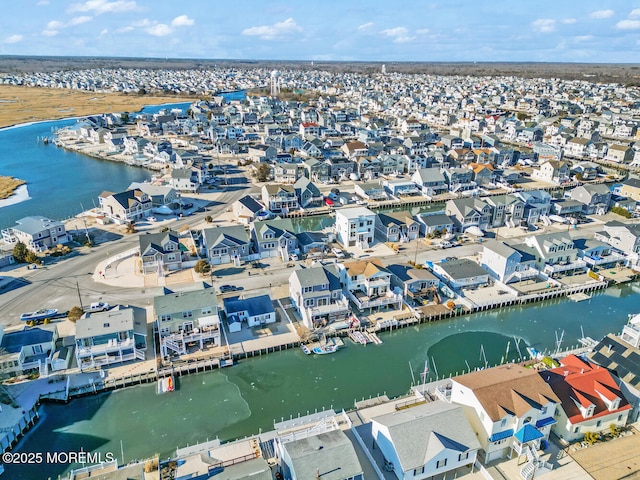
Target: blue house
x,y
255,311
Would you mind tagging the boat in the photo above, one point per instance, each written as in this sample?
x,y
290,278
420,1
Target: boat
x,y
38,315
166,384
325,349
305,349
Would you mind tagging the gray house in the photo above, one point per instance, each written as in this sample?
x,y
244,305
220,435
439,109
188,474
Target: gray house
x,y
396,227
226,244
274,238
160,252
595,199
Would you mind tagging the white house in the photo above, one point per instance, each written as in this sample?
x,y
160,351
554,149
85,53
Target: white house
x,y
355,227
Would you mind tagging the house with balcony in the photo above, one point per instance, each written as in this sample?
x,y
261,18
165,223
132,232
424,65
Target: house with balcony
x,y
623,237
316,170
274,238
597,254
461,273
595,199
187,320
340,168
432,440
630,188
553,171
226,244
159,194
577,147
619,153
430,180
368,285
355,227
246,209
371,191
317,295
511,410
396,227
591,400
555,253
160,252
537,204
254,311
125,207
413,282
506,210
36,233
114,336
307,193
459,179
469,212
435,224
508,263
279,198
186,179
27,349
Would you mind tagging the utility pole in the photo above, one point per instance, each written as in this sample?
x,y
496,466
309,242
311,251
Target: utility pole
x,y
79,296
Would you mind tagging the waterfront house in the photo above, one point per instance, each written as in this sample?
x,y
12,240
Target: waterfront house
x,y
597,254
469,212
553,171
414,282
591,399
630,188
279,198
226,244
307,193
430,180
624,237
246,209
36,233
255,311
425,441
510,408
619,153
160,195
317,295
27,349
187,319
396,226
370,190
185,179
160,252
355,227
459,179
125,207
435,224
368,285
508,263
555,253
595,199
401,188
505,210
113,336
274,238
537,204
461,273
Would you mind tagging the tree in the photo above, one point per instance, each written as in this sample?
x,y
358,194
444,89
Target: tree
x,y
33,257
202,267
75,313
263,172
208,219
20,252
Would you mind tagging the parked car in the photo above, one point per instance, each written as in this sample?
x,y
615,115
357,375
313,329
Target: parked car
x,y
337,252
152,219
294,256
98,307
445,244
229,288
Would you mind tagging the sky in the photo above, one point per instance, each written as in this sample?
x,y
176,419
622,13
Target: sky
x,y
601,31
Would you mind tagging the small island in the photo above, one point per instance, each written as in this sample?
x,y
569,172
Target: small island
x,y
9,185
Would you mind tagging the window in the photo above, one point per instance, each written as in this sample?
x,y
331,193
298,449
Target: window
x,y
418,471
308,302
598,423
503,422
441,463
307,289
207,310
37,349
187,314
463,456
165,318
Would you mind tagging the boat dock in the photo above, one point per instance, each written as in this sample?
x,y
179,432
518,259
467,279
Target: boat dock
x,y
579,296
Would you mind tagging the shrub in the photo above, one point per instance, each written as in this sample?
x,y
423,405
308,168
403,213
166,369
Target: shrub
x,y
202,267
75,313
619,210
20,252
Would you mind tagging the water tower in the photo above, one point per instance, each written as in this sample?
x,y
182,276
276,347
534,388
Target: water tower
x,y
275,83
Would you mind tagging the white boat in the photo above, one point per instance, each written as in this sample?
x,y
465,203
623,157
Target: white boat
x,y
166,384
38,315
325,349
305,349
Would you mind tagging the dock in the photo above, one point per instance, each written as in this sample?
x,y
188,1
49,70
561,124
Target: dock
x,y
579,296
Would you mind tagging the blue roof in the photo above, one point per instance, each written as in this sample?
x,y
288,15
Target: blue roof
x,y
528,433
545,421
253,306
501,435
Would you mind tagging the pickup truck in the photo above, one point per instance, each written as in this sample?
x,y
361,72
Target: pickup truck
x,y
98,307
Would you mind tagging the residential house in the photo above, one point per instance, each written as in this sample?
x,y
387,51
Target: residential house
x,y
226,244
279,198
432,225
461,273
430,180
262,153
482,173
355,149
432,440
286,172
412,281
317,295
185,179
274,238
630,188
125,207
591,399
577,147
371,191
355,227
255,311
396,227
316,170
510,408
113,336
553,171
187,319
247,209
400,188
505,210
368,285
459,179
508,263
619,153
469,212
622,236
340,168
537,204
555,253
158,194
30,348
307,193
36,233
160,252
567,208
595,198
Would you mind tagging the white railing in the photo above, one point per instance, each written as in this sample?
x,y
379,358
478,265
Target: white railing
x,y
342,305
556,268
112,346
483,471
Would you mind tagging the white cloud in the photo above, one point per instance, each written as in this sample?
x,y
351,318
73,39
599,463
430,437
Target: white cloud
x,y
543,25
104,32
602,14
269,32
635,13
365,26
584,38
182,21
78,21
103,6
422,31
15,38
399,34
124,29
145,22
628,25
569,21
159,30
49,33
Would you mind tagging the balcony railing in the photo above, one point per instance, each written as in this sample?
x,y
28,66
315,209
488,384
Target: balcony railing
x,y
342,305
109,347
606,259
363,301
558,267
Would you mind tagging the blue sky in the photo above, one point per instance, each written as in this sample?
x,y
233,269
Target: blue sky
x,y
364,30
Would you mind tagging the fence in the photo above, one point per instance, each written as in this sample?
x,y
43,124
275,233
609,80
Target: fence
x,y
11,435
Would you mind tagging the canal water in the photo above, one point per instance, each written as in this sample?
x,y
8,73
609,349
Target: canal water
x,y
60,183
240,400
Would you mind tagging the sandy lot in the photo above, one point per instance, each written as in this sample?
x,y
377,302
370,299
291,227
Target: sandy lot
x,y
30,104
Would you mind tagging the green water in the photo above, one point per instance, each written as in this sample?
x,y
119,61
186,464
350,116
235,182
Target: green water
x,y
240,400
